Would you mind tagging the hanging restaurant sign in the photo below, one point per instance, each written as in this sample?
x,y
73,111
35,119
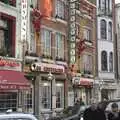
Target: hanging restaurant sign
x,y
72,31
44,67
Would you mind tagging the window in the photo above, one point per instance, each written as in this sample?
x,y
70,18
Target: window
x,y
60,9
110,31
111,62
59,45
104,61
103,29
2,39
46,42
87,64
86,34
45,94
10,2
99,4
59,95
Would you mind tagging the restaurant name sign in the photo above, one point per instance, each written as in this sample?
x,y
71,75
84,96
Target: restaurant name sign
x,y
72,31
9,64
43,67
23,19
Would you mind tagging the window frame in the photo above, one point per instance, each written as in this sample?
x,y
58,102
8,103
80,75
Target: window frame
x,y
103,29
104,62
60,50
45,47
60,12
111,61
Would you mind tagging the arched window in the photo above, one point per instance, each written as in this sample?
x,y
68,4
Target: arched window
x,y
110,31
104,61
111,62
103,29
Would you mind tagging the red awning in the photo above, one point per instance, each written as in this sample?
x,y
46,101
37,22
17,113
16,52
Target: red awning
x,y
86,81
13,80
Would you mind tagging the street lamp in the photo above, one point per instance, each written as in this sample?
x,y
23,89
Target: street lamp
x,y
51,77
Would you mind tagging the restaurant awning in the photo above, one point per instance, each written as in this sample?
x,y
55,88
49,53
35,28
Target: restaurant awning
x,y
13,80
86,81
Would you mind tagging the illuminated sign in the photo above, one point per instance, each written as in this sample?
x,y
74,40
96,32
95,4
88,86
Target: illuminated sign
x,y
23,20
43,67
72,32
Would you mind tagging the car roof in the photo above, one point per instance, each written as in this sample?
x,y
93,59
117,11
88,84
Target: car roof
x,y
17,115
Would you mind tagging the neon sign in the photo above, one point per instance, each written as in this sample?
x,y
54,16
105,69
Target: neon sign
x,y
72,32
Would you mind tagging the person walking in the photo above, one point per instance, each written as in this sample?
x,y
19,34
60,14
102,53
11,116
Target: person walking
x,y
114,114
101,111
91,112
95,112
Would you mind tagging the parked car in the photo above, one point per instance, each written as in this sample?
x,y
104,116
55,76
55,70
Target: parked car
x,y
16,116
71,113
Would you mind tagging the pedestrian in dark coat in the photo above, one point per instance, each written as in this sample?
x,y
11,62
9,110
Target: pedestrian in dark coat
x,y
90,113
114,114
101,111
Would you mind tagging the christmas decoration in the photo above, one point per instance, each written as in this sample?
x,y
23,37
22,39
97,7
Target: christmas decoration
x,y
37,16
80,47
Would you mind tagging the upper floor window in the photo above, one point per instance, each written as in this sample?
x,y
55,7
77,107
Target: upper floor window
x,y
103,29
99,3
46,41
111,62
87,64
104,66
86,34
10,2
60,9
110,31
59,38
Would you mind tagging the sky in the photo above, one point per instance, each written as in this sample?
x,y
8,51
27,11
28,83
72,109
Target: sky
x,y
117,1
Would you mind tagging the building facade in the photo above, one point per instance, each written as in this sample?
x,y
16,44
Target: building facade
x,y
117,37
48,53
13,85
82,48
105,52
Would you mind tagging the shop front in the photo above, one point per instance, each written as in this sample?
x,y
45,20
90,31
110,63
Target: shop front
x,y
50,87
14,87
83,89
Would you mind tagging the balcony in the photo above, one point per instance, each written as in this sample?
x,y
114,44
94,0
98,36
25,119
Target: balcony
x,y
104,12
61,61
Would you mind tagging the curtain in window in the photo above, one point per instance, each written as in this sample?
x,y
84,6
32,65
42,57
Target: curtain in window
x,y
45,94
111,62
87,62
59,45
60,9
87,34
110,31
104,61
103,29
46,42
2,39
